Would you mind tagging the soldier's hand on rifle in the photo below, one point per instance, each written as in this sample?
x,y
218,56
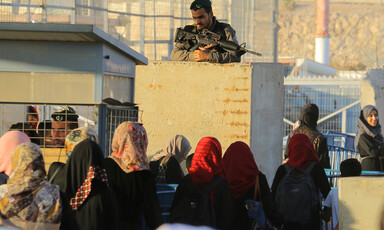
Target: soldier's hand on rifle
x,y
202,54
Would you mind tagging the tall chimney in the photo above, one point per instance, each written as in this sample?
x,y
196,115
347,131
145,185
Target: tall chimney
x,y
322,36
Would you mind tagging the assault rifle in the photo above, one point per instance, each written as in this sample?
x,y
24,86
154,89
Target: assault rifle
x,y
207,37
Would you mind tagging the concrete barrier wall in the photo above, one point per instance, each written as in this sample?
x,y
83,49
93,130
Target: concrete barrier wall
x,y
361,203
232,102
372,90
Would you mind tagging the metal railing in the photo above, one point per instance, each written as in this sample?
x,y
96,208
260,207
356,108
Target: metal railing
x,y
338,99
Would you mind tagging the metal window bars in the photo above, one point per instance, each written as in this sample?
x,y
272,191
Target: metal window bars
x,y
38,124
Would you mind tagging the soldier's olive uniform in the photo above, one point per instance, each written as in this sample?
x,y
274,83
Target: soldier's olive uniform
x,y
182,52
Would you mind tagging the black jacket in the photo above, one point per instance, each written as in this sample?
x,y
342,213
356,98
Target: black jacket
x,y
223,204
136,194
173,173
372,153
3,178
240,213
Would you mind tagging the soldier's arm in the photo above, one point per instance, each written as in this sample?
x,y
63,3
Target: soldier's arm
x,y
226,57
179,53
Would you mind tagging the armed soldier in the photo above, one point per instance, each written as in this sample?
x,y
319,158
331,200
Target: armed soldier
x,y
204,20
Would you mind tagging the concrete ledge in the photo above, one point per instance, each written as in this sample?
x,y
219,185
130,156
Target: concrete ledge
x,y
361,202
232,102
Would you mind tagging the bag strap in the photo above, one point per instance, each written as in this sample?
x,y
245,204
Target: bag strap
x,y
310,167
257,190
54,175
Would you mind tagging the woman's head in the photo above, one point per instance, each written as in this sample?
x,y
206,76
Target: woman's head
x,y
300,151
8,143
177,146
27,195
207,161
370,115
240,168
129,147
309,115
27,166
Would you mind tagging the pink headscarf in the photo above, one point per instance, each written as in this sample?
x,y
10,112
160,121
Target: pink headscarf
x,y
129,147
8,143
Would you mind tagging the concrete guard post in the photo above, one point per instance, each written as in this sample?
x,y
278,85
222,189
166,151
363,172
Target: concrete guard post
x,y
361,203
372,90
232,102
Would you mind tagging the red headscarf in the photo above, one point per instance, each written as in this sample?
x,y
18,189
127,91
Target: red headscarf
x,y
301,152
240,168
206,162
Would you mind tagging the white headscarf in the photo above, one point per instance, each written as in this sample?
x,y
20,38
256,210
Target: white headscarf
x,y
177,146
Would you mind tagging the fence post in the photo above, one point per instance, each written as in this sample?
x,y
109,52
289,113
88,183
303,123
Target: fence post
x,y
344,121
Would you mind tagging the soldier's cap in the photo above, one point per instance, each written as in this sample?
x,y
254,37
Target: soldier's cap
x,y
197,4
66,113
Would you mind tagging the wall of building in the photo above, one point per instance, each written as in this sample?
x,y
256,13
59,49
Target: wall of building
x,y
361,203
232,102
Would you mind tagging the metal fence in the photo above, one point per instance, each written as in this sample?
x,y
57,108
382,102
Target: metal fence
x,y
338,100
148,26
102,118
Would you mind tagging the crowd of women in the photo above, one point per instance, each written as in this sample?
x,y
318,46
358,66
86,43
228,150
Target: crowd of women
x,y
90,192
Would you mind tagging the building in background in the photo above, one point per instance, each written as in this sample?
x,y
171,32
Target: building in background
x,y
148,26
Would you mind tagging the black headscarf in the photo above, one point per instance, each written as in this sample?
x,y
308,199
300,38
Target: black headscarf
x,y
84,182
364,127
85,156
309,115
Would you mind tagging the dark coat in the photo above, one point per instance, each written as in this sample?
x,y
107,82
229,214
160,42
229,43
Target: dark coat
x,y
173,173
101,201
136,193
3,178
372,153
222,203
240,213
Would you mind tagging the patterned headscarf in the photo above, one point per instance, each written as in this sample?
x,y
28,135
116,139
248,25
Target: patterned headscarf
x,y
27,196
8,142
206,162
129,147
240,168
177,146
301,152
78,135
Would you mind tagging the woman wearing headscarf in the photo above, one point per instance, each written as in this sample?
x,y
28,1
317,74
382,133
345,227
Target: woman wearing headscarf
x,y
207,166
131,179
165,165
71,140
85,185
301,155
369,140
8,142
244,176
307,125
27,200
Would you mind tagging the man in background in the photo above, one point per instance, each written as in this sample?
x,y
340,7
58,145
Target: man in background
x,y
63,121
203,19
